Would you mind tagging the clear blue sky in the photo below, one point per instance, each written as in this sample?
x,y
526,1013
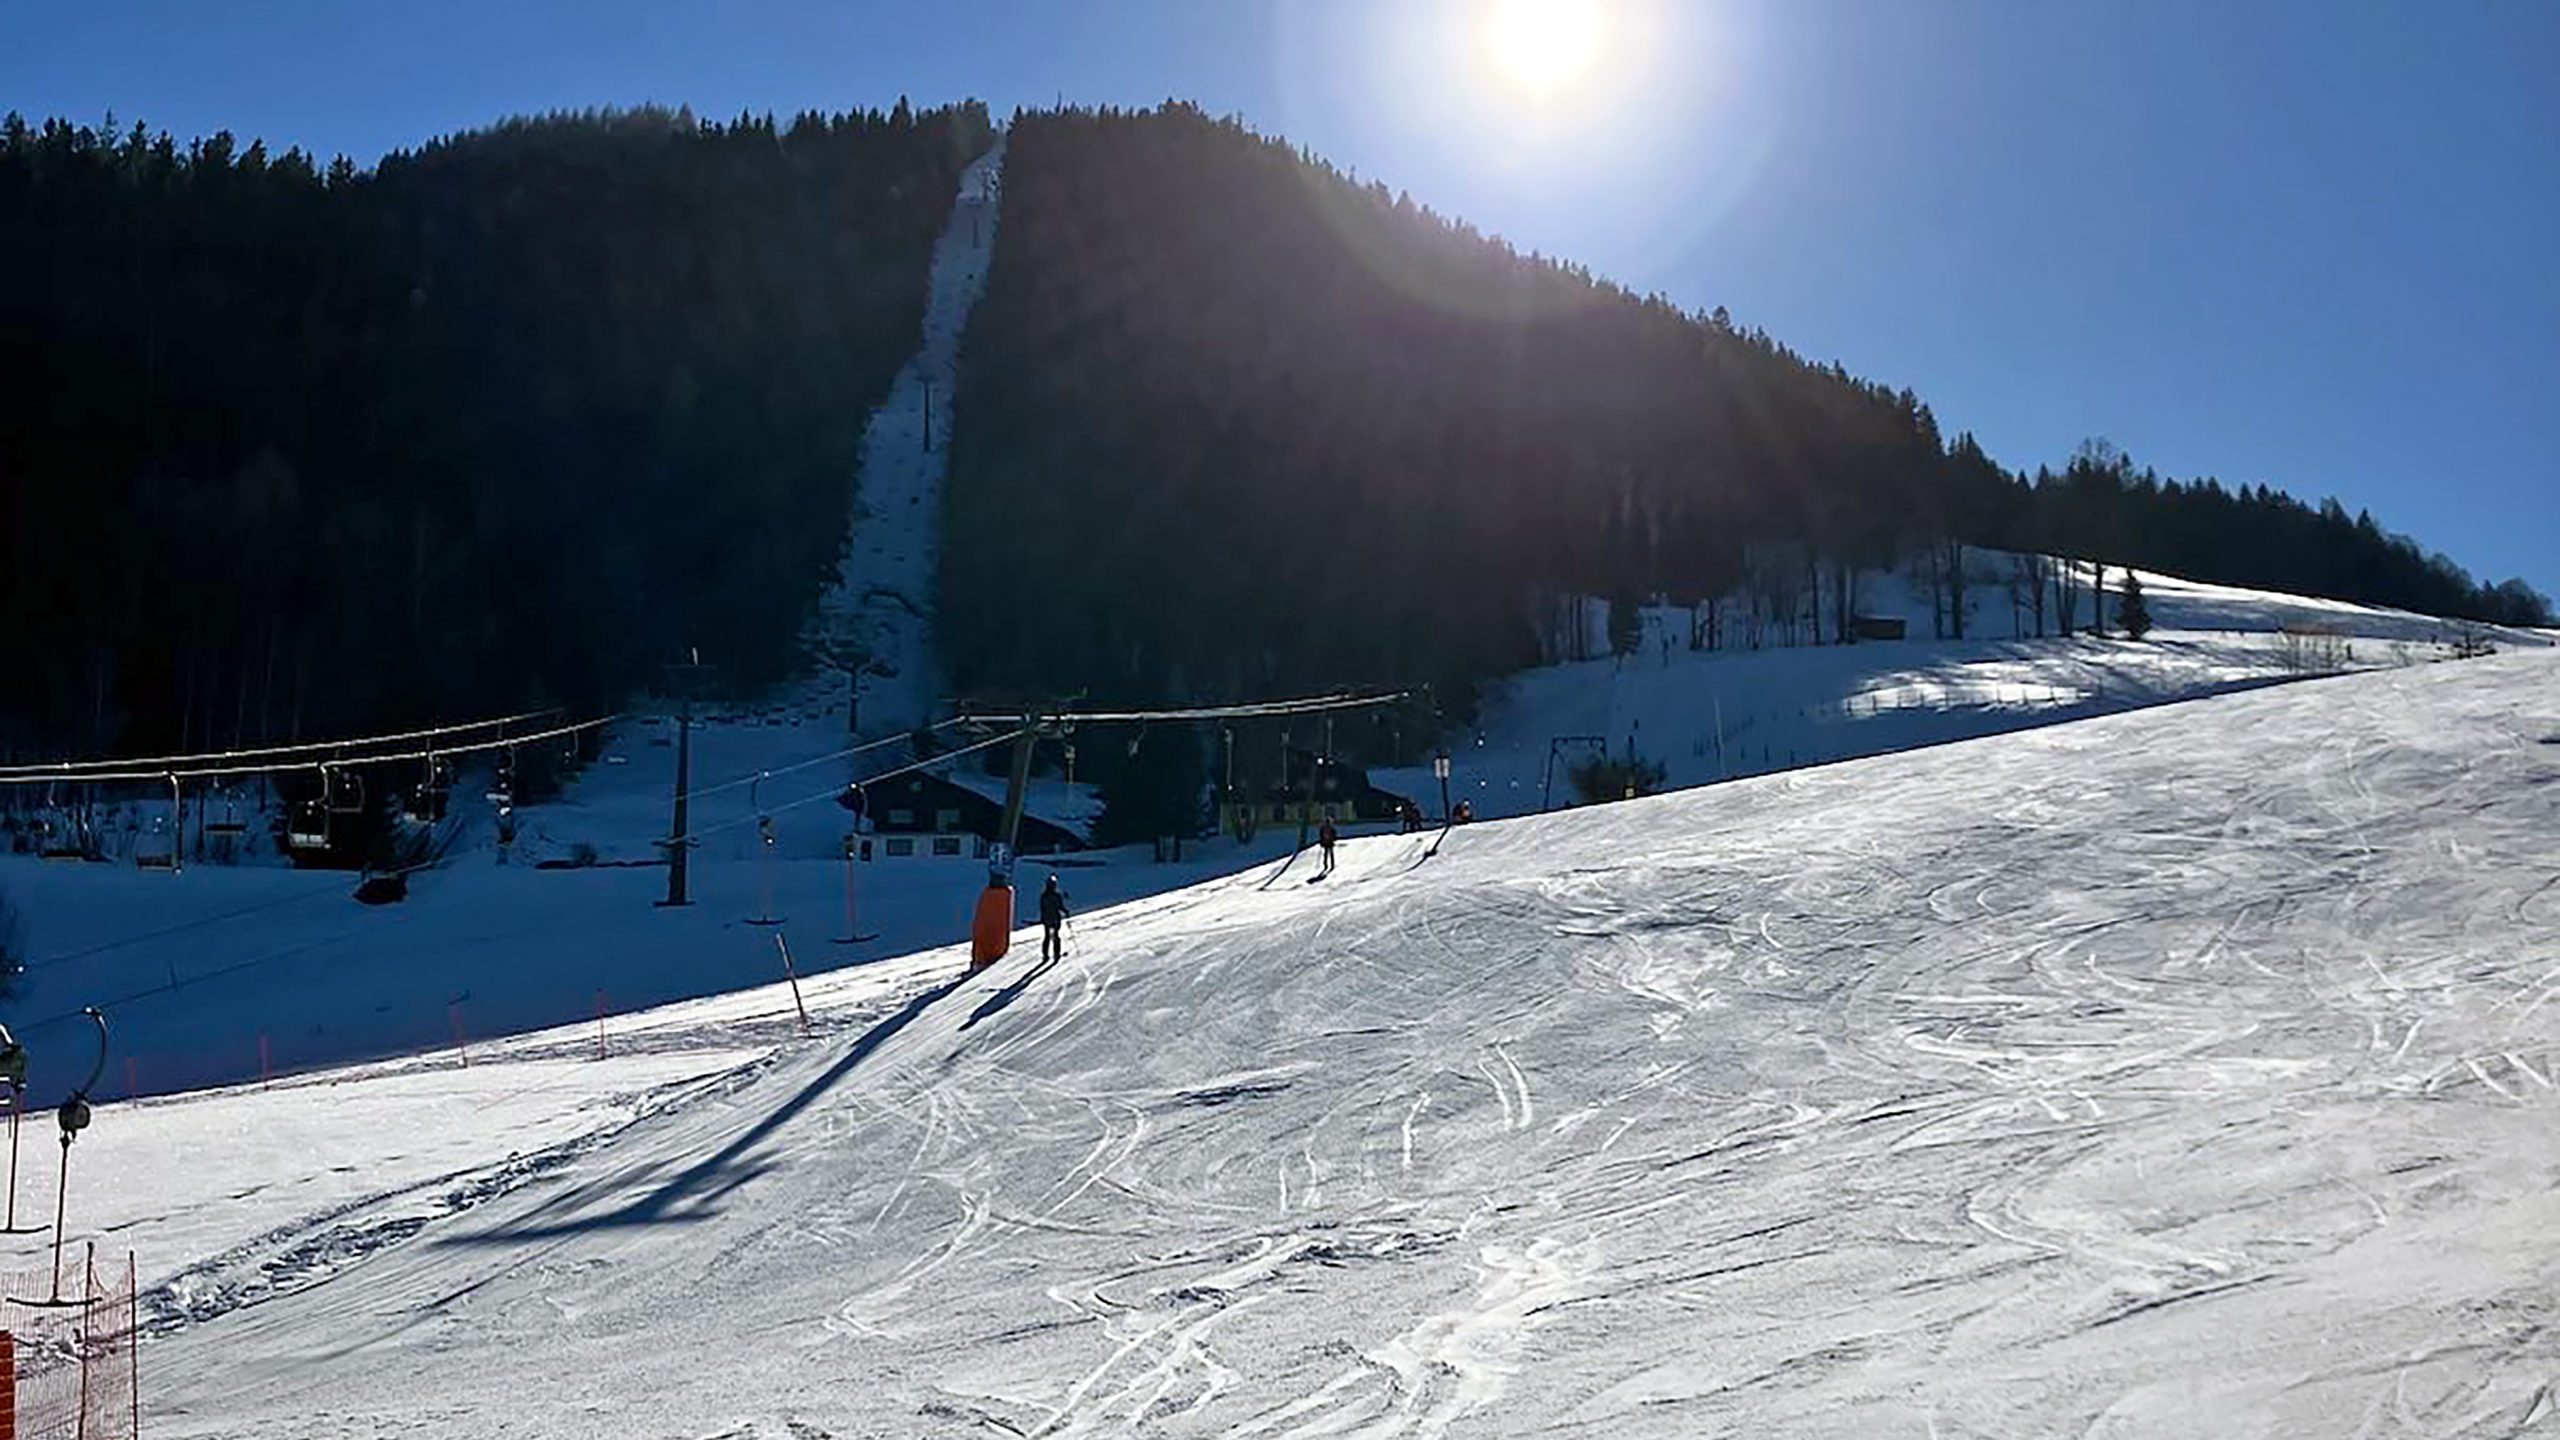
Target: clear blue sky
x,y
2309,242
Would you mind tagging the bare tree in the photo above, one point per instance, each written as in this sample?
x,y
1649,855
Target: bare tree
x,y
2026,583
1953,567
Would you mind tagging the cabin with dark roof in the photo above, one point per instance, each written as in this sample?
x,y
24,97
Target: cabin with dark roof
x,y
927,814
1320,788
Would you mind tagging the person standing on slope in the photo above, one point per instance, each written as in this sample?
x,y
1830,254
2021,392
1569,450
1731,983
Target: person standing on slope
x,y
1325,836
1053,916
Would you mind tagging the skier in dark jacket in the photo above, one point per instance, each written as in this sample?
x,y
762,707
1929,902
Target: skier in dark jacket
x,y
1325,836
1053,916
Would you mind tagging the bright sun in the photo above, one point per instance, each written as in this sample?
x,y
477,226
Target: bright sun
x,y
1543,46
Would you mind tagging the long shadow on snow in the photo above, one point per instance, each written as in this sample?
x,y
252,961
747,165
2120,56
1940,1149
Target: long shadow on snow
x,y
1006,996
706,1180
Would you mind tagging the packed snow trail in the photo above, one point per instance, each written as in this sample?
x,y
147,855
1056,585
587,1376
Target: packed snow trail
x,y
2187,1071
882,599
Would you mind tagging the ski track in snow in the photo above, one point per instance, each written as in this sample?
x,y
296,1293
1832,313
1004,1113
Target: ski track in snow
x,y
883,596
2167,1074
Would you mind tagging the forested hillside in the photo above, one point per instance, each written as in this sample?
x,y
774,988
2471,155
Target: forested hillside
x,y
1230,421
292,450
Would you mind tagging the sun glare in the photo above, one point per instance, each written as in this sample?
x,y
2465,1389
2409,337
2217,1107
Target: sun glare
x,y
1544,46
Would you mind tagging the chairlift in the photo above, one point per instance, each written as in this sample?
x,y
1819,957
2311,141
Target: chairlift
x,y
306,825
229,825
502,796
345,793
427,802
158,848
503,790
60,837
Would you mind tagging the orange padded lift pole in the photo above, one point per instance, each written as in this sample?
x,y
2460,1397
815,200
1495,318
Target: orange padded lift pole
x,y
991,930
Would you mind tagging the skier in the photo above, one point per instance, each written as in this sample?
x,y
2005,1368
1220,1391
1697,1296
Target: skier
x,y
1325,836
1053,916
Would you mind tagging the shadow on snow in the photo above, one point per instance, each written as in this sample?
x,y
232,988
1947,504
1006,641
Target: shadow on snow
x,y
686,1194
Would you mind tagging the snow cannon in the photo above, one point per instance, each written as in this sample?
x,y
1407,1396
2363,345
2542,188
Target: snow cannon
x,y
991,930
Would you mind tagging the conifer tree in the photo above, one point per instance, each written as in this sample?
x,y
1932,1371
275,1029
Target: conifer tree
x,y
2132,611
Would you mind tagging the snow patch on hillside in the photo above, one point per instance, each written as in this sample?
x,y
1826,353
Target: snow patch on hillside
x,y
1717,714
880,608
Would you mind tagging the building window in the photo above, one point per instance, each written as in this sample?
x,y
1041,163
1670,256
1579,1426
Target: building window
x,y
946,821
946,844
901,845
902,818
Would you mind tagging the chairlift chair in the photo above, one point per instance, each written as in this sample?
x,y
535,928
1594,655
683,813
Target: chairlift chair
x,y
427,802
306,825
60,840
58,835
156,849
502,796
161,841
157,846
229,824
344,793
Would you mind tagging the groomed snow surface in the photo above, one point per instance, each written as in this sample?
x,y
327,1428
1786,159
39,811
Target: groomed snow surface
x,y
1716,714
2185,1071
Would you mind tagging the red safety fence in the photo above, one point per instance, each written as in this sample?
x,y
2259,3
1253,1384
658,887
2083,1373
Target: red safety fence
x,y
68,1367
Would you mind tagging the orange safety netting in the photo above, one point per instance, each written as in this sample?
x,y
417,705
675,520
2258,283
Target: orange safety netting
x,y
68,1368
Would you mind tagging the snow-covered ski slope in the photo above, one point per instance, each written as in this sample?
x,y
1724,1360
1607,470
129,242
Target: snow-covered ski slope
x,y
1708,715
195,968
2185,1071
216,975
881,603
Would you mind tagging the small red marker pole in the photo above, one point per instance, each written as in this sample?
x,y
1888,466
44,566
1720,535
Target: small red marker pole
x,y
793,976
599,1024
266,1065
453,1012
132,1078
